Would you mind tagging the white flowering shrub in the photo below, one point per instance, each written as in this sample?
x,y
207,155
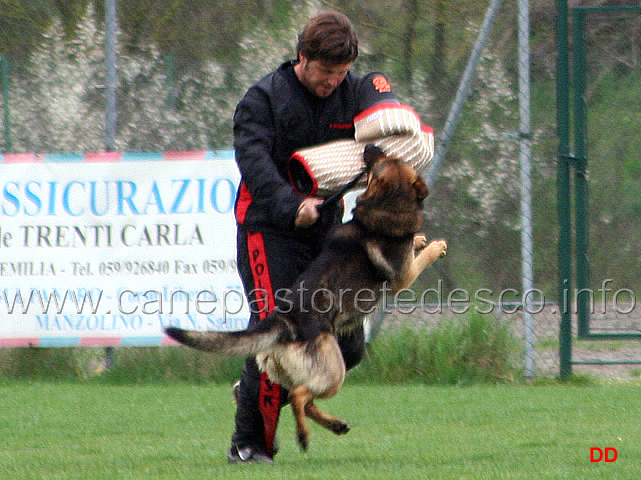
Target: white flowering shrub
x,y
483,168
59,106
53,107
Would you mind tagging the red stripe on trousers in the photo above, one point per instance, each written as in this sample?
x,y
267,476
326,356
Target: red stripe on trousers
x,y
269,393
243,203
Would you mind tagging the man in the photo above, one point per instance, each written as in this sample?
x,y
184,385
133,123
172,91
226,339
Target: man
x,y
305,102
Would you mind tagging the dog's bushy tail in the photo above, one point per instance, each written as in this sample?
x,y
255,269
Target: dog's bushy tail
x,y
259,337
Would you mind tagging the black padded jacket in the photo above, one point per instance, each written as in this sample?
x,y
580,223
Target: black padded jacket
x,y
278,116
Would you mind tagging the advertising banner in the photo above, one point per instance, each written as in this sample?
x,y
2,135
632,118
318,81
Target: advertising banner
x,y
107,249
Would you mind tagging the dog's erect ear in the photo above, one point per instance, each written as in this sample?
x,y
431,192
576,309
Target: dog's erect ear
x,y
421,189
371,154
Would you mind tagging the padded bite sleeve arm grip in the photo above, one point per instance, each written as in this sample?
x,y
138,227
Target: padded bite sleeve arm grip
x,y
395,128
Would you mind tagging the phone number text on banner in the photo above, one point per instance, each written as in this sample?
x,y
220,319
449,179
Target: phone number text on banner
x,y
107,249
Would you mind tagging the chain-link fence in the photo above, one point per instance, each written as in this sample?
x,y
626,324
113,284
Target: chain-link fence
x,y
596,358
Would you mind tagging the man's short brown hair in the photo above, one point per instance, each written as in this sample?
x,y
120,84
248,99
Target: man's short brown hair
x,y
329,37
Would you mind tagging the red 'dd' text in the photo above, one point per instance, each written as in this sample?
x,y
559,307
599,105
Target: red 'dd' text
x,y
609,454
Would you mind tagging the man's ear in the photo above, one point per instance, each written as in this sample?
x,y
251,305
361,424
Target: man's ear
x,y
421,189
371,154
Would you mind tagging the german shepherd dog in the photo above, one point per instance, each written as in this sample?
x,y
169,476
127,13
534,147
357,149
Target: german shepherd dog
x,y
378,251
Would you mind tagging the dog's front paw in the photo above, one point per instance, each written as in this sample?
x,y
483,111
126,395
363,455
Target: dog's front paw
x,y
439,247
420,241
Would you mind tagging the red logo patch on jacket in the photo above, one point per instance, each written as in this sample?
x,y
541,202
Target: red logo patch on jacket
x,y
381,84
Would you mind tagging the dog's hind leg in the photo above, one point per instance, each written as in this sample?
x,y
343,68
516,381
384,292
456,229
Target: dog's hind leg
x,y
333,424
303,406
300,397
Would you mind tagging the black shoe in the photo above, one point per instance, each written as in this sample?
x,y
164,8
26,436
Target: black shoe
x,y
248,455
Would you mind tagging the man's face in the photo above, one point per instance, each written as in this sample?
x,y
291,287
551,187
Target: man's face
x,y
320,78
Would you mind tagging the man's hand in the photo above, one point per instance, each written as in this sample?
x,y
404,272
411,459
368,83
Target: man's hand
x,y
307,212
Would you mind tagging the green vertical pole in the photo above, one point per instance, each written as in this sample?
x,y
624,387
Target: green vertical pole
x,y
563,179
581,184
4,73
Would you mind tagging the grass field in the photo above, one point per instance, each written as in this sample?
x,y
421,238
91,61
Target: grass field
x,y
180,431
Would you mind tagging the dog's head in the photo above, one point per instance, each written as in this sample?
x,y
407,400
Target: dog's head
x,y
390,177
393,198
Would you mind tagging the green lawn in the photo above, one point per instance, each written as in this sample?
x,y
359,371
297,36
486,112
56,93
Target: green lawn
x,y
181,432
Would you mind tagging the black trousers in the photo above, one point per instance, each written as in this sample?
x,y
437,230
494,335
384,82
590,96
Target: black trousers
x,y
268,262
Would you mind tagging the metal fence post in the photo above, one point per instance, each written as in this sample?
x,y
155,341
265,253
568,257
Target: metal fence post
x,y
111,82
580,178
527,263
4,73
563,179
